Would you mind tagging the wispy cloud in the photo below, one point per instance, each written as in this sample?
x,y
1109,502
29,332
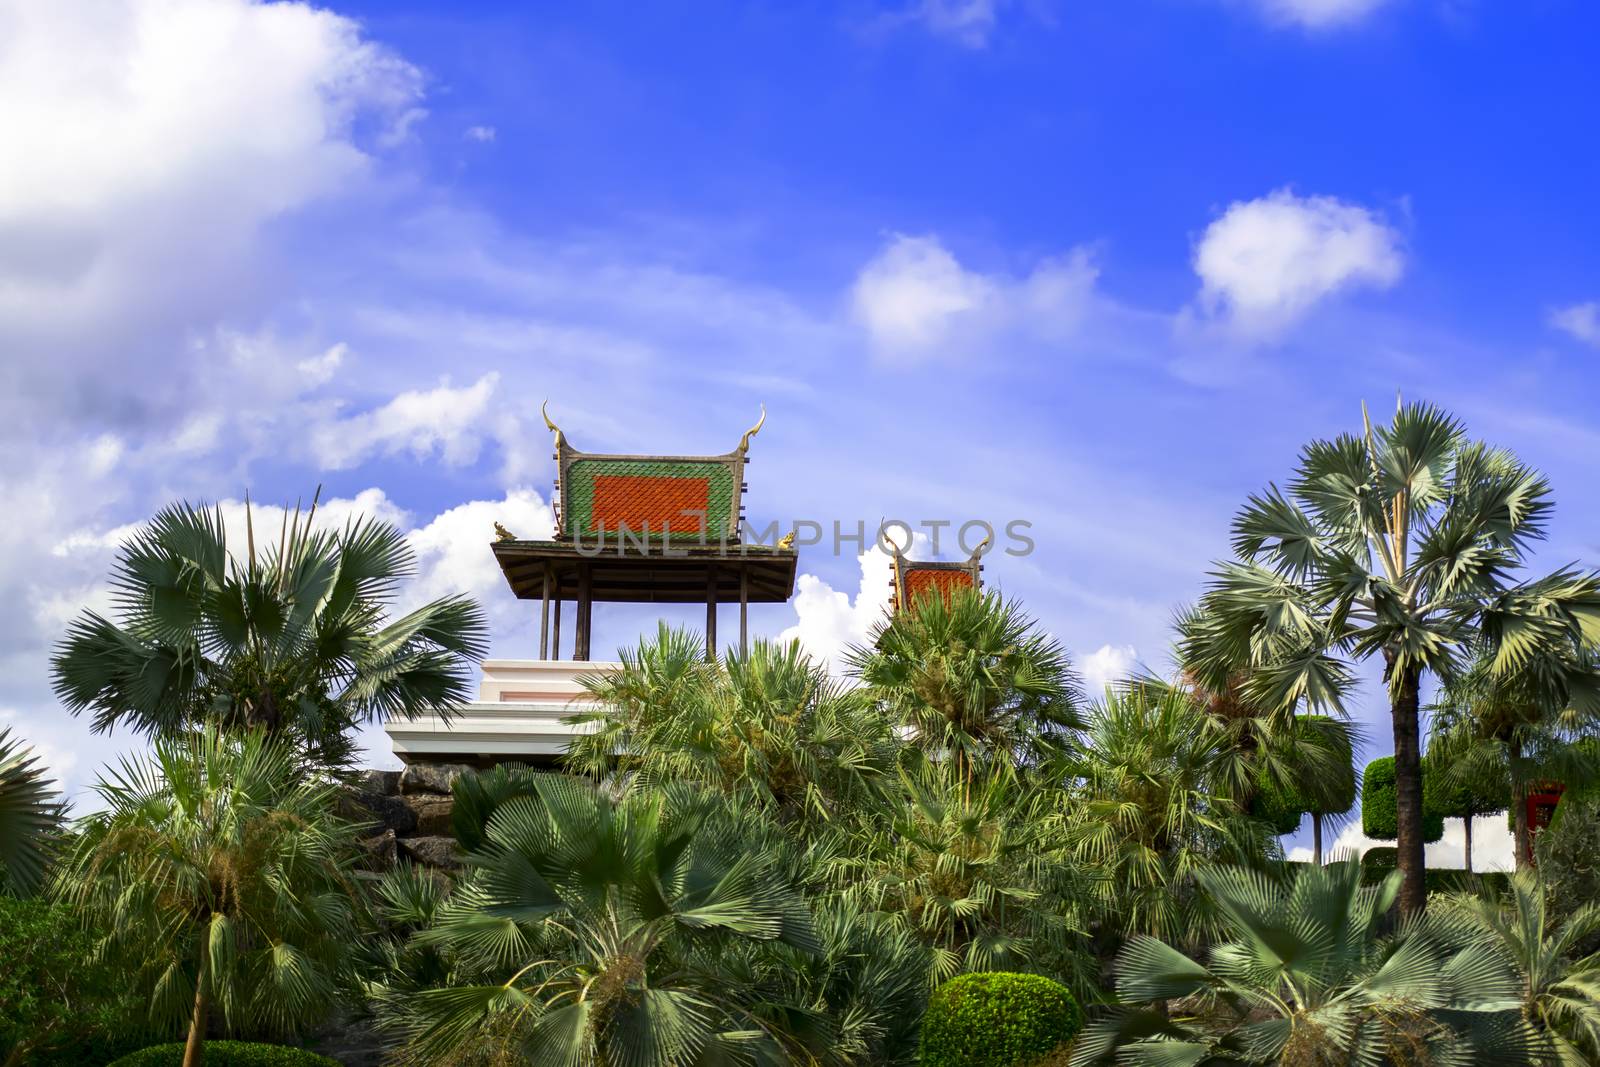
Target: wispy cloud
x,y
1581,321
1318,14
916,301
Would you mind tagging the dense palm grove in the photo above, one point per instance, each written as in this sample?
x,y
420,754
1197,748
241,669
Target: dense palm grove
x,y
752,860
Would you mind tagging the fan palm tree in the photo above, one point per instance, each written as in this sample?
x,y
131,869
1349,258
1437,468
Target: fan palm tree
x,y
1304,975
223,876
770,723
1148,810
29,810
1264,745
1398,542
292,638
974,677
1492,736
1560,993
590,932
977,869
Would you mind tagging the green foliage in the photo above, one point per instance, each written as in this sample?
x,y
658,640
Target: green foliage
x,y
1379,809
974,676
1377,863
218,869
1460,795
1306,974
478,794
606,929
29,811
292,638
997,1020
1401,542
1558,986
770,725
1144,817
978,869
1329,788
228,1054
1568,851
55,997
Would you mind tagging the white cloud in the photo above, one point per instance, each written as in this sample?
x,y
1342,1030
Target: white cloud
x,y
148,142
318,370
1318,14
1106,665
967,22
914,299
453,553
104,453
481,134
828,621
445,420
1266,262
1582,321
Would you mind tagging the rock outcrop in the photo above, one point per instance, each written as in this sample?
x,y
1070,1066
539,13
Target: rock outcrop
x,y
409,814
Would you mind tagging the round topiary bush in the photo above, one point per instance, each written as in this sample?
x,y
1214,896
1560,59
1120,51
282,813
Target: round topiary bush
x,y
228,1054
1380,815
997,1020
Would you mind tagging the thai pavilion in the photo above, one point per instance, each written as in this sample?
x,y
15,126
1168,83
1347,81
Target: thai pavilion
x,y
629,529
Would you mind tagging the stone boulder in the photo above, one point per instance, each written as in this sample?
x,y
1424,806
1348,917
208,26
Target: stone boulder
x,y
376,782
430,815
434,778
382,850
439,852
389,812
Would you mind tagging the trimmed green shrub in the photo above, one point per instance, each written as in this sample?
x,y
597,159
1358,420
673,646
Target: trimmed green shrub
x,y
1380,861
1457,799
1282,804
228,1054
1376,864
1379,806
997,1020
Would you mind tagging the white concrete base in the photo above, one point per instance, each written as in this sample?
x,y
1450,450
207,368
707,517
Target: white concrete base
x,y
524,712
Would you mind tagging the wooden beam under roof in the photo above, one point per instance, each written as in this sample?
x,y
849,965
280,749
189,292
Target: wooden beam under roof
x,y
688,576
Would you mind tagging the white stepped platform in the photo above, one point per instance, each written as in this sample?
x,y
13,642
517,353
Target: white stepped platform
x,y
524,712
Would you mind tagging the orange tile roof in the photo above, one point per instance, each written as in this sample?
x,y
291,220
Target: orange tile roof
x,y
649,501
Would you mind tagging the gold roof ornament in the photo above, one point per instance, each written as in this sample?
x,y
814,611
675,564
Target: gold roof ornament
x,y
552,427
787,540
744,442
503,534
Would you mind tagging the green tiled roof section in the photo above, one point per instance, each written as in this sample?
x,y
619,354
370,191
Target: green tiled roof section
x,y
577,491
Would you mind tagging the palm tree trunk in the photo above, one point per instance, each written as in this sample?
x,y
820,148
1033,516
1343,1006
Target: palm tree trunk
x,y
194,1049
1316,838
1468,821
1522,834
1408,790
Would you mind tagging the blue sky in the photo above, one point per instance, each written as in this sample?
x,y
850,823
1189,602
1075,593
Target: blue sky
x,y
1103,267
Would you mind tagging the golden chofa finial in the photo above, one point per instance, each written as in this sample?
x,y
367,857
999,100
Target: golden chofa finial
x,y
552,427
744,442
983,546
503,534
787,540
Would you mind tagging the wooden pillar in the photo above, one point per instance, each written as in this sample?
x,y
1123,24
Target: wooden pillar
x,y
544,617
711,612
555,647
744,612
580,649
